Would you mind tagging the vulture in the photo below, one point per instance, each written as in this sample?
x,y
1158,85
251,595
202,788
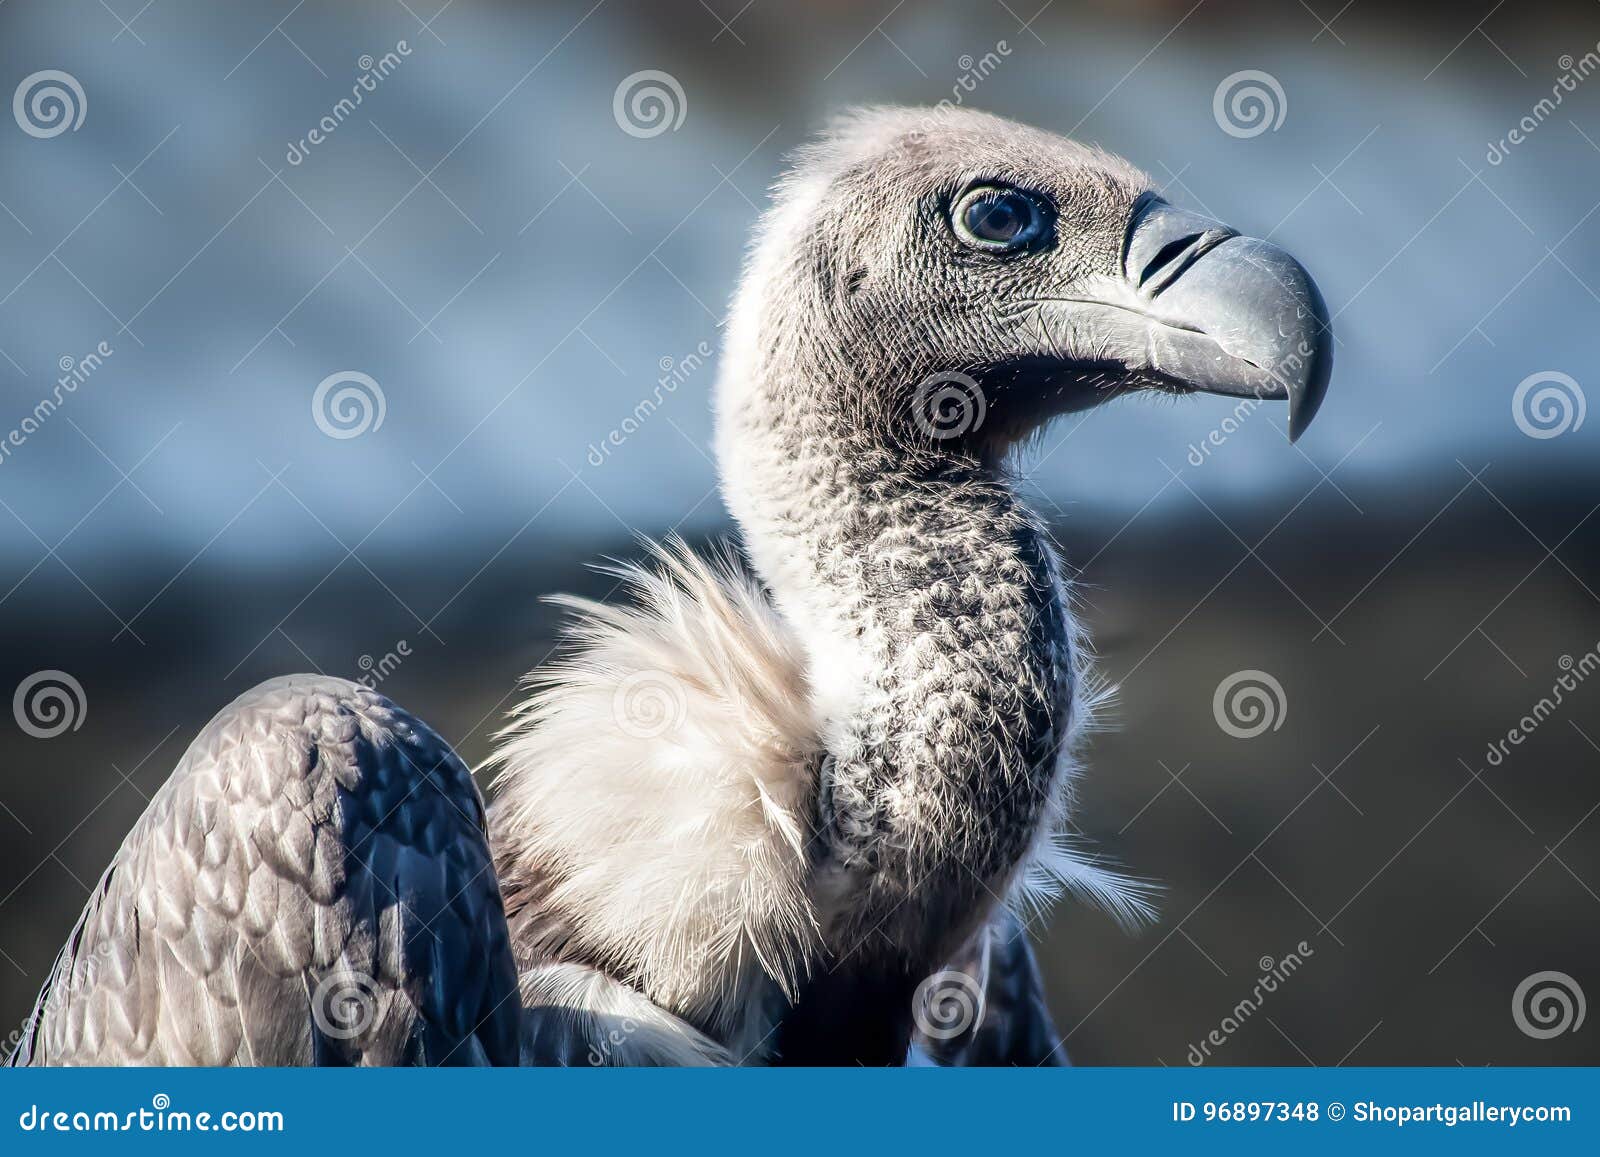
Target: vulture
x,y
788,802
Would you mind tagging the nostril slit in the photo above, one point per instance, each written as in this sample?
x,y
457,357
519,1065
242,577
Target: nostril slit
x,y
1170,252
1176,256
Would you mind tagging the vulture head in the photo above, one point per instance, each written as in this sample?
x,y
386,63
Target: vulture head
x,y
943,282
929,288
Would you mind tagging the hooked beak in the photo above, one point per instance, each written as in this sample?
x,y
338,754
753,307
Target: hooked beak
x,y
1201,308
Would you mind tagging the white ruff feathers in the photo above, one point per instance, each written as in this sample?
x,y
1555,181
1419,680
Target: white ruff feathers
x,y
657,793
661,783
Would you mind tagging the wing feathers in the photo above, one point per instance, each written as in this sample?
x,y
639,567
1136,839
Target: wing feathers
x,y
312,883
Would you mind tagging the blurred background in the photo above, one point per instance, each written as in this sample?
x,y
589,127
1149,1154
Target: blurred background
x,y
502,255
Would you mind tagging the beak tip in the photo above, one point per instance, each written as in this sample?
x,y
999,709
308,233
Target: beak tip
x,y
1305,398
1253,299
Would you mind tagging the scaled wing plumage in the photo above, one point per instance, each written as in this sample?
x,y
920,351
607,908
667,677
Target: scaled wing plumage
x,y
311,886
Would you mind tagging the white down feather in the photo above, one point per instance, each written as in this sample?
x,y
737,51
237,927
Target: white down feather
x,y
661,782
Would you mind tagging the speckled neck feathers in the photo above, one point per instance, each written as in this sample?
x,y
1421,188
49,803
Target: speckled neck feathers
x,y
929,603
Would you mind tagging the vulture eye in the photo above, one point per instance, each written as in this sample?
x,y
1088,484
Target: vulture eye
x,y
998,219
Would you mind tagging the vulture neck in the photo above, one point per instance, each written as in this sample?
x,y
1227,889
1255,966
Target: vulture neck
x,y
940,656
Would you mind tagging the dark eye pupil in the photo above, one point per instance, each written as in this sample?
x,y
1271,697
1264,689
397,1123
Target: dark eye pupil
x,y
999,218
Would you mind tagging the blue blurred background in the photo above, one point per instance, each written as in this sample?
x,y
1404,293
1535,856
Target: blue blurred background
x,y
513,272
